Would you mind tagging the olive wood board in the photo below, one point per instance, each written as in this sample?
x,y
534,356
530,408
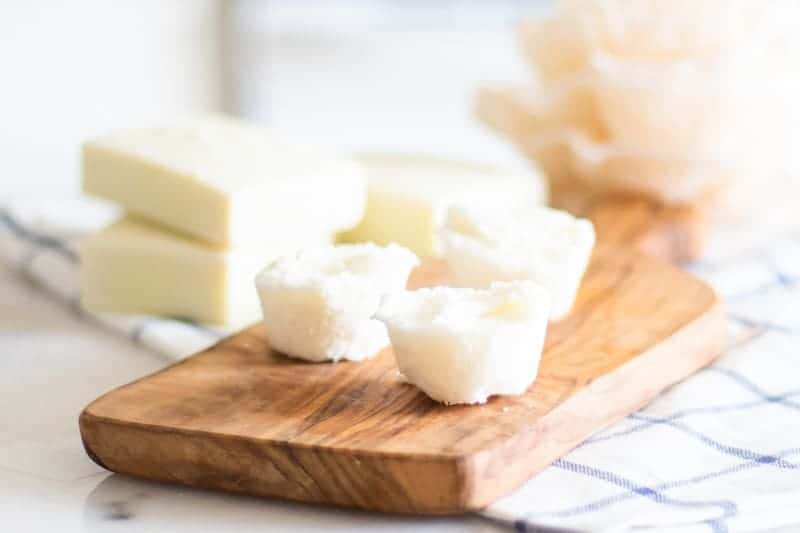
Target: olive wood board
x,y
241,417
674,233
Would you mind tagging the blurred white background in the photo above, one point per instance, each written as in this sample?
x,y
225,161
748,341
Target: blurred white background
x,y
353,74
73,69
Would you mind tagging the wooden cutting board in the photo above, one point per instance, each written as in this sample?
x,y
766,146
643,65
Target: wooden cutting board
x,y
240,417
673,233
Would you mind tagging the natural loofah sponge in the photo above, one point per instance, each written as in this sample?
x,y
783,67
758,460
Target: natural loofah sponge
x,y
671,99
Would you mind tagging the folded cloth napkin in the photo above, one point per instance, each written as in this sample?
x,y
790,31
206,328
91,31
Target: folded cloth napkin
x,y
719,452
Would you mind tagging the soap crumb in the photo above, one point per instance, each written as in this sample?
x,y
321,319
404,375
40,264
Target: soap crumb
x,y
505,409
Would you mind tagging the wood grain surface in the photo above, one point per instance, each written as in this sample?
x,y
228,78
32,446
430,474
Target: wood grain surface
x,y
673,233
241,417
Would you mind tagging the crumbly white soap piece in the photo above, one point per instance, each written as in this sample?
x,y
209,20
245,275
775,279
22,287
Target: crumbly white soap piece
x,y
134,267
544,245
409,196
464,345
318,305
225,181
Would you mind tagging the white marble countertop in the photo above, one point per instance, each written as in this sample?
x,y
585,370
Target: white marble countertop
x,y
51,366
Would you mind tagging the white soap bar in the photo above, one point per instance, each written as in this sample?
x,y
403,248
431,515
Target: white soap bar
x,y
225,181
409,196
318,304
544,245
133,267
464,345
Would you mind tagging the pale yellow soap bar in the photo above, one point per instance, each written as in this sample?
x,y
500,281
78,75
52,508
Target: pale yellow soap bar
x,y
134,267
225,181
409,196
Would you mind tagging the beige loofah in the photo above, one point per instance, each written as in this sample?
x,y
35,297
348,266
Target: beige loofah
x,y
670,99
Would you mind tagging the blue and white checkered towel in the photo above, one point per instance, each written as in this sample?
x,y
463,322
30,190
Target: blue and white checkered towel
x,y
719,452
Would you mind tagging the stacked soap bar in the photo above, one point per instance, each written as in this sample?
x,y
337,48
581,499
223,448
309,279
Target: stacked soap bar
x,y
409,196
209,201
133,266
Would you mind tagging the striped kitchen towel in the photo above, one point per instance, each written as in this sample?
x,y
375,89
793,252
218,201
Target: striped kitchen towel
x,y
43,245
719,452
